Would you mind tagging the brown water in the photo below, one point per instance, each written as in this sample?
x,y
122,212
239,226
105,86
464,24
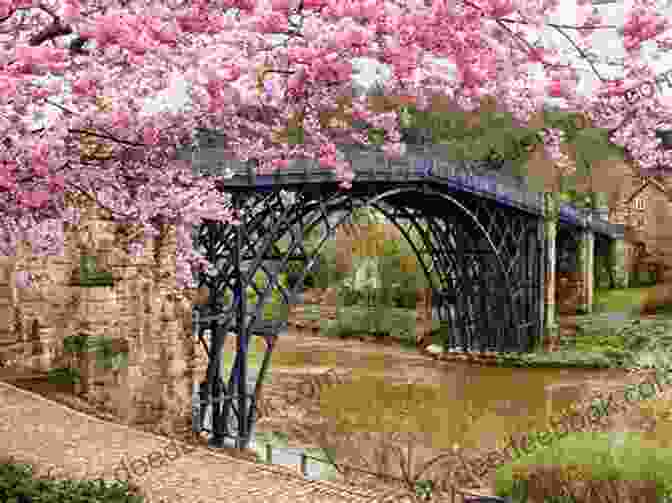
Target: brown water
x,y
386,389
391,389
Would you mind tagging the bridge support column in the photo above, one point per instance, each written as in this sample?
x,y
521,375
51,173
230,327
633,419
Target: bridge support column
x,y
617,266
550,232
586,261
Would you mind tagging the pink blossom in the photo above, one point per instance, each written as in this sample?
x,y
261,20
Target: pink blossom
x,y
501,8
40,152
151,136
40,168
71,10
136,45
7,85
283,5
7,180
120,119
393,150
35,198
555,89
272,23
23,279
84,86
57,183
329,162
280,163
314,4
229,72
40,92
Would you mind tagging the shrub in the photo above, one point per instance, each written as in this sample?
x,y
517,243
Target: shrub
x,y
18,484
380,321
440,334
327,274
63,375
557,359
587,457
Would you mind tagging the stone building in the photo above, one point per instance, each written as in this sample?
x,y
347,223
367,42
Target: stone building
x,y
645,207
143,312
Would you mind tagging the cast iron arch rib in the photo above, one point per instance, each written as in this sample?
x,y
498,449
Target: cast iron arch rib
x,y
481,283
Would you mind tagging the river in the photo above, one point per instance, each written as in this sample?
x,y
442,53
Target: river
x,y
382,391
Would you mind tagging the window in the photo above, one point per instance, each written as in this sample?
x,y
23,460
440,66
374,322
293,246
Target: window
x,y
639,203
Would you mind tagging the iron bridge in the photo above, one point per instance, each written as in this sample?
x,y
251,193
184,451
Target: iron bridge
x,y
481,233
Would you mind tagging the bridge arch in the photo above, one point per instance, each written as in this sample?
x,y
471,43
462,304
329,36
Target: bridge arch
x,y
474,250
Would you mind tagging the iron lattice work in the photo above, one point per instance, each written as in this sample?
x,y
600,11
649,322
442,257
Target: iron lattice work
x,y
602,270
567,246
487,258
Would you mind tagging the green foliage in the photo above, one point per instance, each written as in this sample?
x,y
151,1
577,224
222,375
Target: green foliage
x,y
557,359
396,285
496,134
63,375
328,274
275,308
18,484
102,345
376,136
601,456
90,276
106,357
77,343
295,135
497,137
440,334
101,279
578,199
380,321
589,144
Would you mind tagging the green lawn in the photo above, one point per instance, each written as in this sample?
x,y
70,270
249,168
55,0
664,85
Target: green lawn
x,y
600,456
624,300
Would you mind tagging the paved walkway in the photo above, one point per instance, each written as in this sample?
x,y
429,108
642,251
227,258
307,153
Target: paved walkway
x,y
71,444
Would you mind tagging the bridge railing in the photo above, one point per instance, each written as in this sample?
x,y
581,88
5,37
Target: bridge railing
x,y
419,164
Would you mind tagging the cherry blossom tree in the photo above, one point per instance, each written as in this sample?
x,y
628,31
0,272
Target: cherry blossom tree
x,y
276,101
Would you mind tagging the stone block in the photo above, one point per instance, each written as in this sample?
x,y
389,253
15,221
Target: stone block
x,y
130,312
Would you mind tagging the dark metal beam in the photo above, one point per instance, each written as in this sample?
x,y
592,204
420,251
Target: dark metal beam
x,y
487,259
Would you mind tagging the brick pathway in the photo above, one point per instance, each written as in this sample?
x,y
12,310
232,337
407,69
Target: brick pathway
x,y
71,444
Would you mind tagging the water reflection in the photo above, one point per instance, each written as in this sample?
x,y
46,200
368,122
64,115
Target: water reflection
x,y
389,390
453,403
463,406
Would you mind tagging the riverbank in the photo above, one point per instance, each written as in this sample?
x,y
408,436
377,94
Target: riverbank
x,y
361,416
607,339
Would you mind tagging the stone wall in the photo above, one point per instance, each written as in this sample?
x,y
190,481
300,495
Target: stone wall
x,y
569,293
143,312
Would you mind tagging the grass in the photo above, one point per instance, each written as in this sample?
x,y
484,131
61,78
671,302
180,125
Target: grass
x,y
619,301
313,312
597,456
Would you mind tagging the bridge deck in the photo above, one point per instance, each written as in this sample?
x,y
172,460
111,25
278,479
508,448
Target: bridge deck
x,y
46,434
418,166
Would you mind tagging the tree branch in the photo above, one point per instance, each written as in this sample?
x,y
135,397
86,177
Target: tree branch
x,y
54,30
581,52
77,46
